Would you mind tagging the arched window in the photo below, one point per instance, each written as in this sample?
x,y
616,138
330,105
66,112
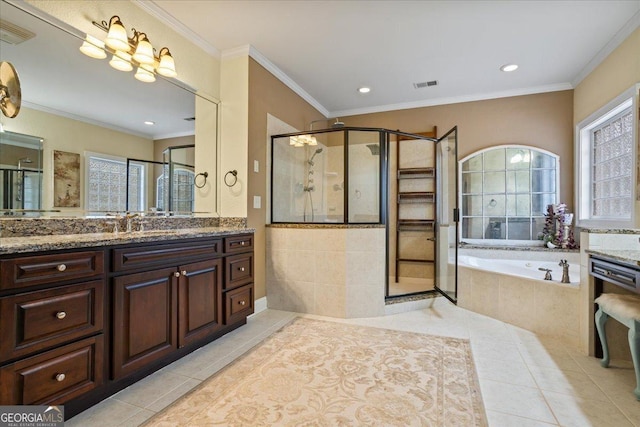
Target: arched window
x,y
505,192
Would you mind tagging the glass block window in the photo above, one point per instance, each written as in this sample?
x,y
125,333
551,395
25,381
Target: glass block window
x,y
606,155
612,154
107,184
505,192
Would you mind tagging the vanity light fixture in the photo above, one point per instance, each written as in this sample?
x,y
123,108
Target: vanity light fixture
x,y
129,52
507,68
364,89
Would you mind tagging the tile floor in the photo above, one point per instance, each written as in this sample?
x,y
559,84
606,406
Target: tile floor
x,y
526,380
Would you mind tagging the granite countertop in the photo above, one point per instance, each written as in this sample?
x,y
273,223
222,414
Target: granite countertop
x,y
628,256
12,245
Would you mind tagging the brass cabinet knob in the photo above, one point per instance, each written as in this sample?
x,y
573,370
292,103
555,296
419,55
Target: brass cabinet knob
x,y
242,302
61,267
60,377
242,243
176,274
61,315
184,272
241,269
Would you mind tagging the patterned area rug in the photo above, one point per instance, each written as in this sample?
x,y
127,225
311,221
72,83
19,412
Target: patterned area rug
x,y
319,373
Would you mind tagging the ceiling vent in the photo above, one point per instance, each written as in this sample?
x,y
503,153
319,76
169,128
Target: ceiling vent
x,y
13,34
425,84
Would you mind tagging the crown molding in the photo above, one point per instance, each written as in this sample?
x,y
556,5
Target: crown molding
x,y
152,8
72,116
277,72
452,100
628,28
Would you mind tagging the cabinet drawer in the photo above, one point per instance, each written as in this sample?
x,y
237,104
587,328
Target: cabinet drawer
x,y
42,269
54,377
33,321
238,270
143,257
238,304
237,244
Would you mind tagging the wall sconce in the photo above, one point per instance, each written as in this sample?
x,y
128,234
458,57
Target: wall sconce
x,y
128,52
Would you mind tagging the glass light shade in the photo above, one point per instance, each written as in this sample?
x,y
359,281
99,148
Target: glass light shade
x,y
120,61
117,36
144,74
167,66
144,50
93,48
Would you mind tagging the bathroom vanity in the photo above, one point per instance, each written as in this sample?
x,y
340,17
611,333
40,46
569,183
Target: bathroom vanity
x,y
102,311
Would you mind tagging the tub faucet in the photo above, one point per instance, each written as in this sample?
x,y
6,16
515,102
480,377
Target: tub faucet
x,y
547,275
565,271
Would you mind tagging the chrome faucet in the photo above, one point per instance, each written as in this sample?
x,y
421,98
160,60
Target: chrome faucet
x,y
565,271
129,218
547,275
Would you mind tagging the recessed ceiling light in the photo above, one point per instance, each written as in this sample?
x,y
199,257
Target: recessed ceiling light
x,y
364,89
149,123
509,67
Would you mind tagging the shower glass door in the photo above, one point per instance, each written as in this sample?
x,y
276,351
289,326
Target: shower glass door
x,y
447,237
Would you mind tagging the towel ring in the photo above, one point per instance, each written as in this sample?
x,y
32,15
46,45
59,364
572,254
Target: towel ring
x,y
235,178
195,179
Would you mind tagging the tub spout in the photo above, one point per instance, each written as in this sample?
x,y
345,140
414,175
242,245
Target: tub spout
x,y
565,271
547,275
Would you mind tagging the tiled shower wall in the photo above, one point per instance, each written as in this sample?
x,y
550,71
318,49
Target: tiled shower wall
x,y
329,271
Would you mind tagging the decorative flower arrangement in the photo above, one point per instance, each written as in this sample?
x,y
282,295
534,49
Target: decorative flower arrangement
x,y
557,231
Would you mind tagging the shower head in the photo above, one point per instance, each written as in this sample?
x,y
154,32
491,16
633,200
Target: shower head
x,y
24,160
337,124
318,151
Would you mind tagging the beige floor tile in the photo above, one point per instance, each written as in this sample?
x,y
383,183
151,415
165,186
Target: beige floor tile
x,y
573,411
567,382
506,371
138,418
526,402
512,364
495,349
108,413
173,395
145,391
498,419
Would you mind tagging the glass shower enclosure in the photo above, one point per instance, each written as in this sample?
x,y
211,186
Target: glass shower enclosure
x,y
341,176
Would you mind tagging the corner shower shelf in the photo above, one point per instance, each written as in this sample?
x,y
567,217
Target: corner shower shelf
x,y
416,197
416,224
426,221
416,173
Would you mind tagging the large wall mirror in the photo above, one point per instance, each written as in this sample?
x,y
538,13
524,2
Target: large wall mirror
x,y
80,106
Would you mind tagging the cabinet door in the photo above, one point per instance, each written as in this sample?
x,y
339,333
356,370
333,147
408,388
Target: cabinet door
x,y
144,316
199,300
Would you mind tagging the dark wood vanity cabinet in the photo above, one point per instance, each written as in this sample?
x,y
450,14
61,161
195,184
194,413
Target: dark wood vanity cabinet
x,y
77,326
52,327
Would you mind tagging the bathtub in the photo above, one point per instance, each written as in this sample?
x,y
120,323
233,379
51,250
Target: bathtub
x,y
526,268
507,285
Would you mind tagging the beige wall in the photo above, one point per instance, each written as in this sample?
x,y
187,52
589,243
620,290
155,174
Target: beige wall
x,y
63,134
617,73
268,95
541,120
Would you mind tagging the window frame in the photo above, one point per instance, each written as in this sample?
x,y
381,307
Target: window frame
x,y
88,155
511,242
583,161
